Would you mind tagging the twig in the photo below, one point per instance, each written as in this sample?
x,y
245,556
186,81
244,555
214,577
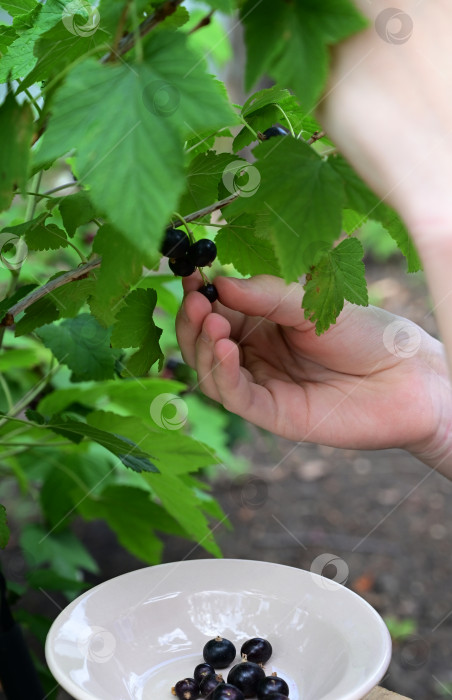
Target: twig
x,y
36,294
84,270
127,42
315,137
204,22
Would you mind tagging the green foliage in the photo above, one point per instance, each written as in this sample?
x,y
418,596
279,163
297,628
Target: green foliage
x,y
400,629
93,423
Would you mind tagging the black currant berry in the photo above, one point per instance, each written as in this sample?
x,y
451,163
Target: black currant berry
x,y
203,670
175,244
274,131
271,685
202,253
186,689
219,652
246,676
209,291
257,650
209,683
225,691
182,267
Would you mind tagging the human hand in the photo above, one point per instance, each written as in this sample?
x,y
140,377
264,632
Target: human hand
x,y
257,355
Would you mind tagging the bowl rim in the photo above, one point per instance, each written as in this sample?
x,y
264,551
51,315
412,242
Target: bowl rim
x,y
79,693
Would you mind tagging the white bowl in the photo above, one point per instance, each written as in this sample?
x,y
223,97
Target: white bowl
x,y
135,636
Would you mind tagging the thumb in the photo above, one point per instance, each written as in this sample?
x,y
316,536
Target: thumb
x,y
264,295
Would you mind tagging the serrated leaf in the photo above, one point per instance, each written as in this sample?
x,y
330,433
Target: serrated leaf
x,y
293,46
76,210
83,345
303,214
46,237
172,448
360,198
18,7
63,551
339,275
121,267
4,529
16,130
130,513
123,448
237,243
203,177
40,313
135,328
145,139
177,498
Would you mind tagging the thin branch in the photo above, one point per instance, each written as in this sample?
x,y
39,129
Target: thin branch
x,y
204,22
316,136
84,270
79,273
127,42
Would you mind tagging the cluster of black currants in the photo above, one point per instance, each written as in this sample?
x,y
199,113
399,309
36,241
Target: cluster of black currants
x,y
246,679
185,257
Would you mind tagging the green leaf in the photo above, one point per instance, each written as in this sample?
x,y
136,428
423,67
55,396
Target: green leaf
x,y
132,516
16,130
180,502
18,358
83,345
204,175
18,7
38,235
49,580
223,5
121,267
76,210
135,328
173,449
338,276
38,314
303,216
360,198
237,243
4,529
63,551
126,450
137,150
293,46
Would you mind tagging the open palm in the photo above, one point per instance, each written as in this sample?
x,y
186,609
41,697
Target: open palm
x,y
256,354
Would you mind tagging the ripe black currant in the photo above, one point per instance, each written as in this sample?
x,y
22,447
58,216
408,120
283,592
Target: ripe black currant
x,y
209,291
202,253
274,131
219,652
257,650
203,670
182,267
225,691
175,243
246,676
186,689
209,683
271,685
